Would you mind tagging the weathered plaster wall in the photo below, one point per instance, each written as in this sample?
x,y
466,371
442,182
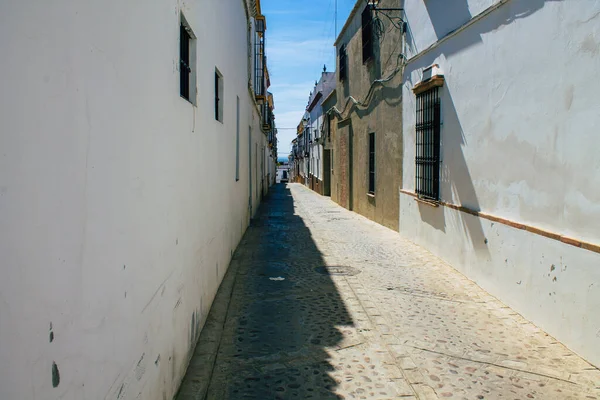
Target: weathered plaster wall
x,y
383,116
518,142
119,208
344,160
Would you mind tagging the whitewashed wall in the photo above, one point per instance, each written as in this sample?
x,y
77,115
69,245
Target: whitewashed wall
x,y
519,141
119,208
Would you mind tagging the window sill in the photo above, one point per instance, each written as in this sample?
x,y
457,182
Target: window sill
x,y
187,100
431,203
372,195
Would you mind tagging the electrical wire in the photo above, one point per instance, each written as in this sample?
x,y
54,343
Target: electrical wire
x,y
378,24
400,61
379,32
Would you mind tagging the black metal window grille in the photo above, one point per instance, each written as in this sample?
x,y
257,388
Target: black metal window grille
x,y
428,145
367,34
260,25
266,115
184,62
372,163
259,59
306,142
343,60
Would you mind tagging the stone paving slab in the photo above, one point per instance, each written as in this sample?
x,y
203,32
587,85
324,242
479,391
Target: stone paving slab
x,y
326,304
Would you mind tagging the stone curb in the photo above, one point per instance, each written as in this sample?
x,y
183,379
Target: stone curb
x,y
196,381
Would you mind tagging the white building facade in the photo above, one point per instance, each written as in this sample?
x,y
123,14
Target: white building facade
x,y
500,169
124,188
314,115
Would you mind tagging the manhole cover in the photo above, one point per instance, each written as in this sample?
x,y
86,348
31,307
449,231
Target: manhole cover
x,y
338,270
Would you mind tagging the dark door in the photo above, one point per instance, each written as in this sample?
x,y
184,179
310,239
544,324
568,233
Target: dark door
x,y
327,172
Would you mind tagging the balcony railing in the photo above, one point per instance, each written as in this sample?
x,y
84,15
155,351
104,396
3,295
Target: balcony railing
x,y
267,117
260,61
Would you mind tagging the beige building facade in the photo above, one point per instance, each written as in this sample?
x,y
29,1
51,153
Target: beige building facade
x,y
367,160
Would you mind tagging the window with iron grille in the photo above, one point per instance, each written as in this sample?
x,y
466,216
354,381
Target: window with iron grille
x,y
259,58
187,62
428,145
372,163
343,60
367,34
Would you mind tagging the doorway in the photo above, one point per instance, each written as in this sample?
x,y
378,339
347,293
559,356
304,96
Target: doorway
x,y
327,154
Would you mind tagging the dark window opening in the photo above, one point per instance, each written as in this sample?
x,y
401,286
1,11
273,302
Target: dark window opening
x,y
428,145
184,62
218,96
367,34
372,163
343,60
237,139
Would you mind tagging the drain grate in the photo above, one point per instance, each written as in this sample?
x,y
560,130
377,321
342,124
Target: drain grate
x,y
339,270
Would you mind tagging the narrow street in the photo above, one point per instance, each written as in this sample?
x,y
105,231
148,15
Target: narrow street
x,y
322,303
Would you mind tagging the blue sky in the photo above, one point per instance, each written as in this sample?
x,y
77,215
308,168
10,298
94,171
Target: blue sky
x,y
300,36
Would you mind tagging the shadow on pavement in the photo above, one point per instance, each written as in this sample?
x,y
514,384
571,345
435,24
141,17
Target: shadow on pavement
x,y
284,312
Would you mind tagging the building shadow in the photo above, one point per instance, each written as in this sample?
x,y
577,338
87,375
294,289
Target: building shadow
x,y
284,315
456,184
444,22
433,216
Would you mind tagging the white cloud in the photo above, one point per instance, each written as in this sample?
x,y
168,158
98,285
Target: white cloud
x,y
298,44
283,54
290,96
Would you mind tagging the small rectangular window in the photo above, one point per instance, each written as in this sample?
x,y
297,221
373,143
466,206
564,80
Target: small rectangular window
x,y
427,172
218,96
367,34
187,61
343,61
237,139
372,163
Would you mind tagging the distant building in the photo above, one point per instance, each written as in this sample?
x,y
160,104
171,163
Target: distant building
x,y
321,90
271,131
294,161
303,151
283,173
310,165
329,140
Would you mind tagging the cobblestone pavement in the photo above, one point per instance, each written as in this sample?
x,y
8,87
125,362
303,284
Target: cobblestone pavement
x,y
322,303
